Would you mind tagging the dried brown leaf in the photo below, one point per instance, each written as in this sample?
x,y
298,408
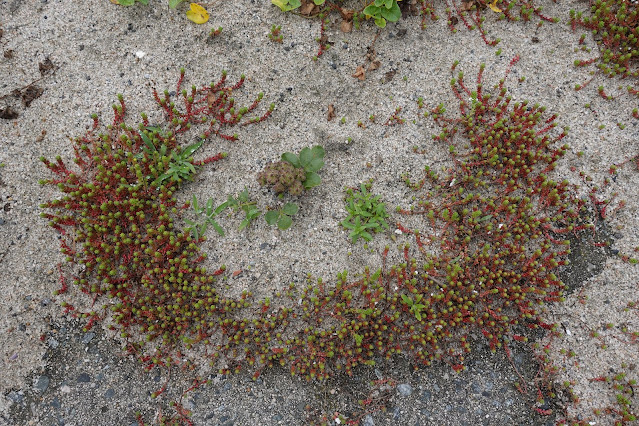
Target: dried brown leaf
x,y
374,65
346,26
360,73
331,112
46,67
8,54
389,75
309,8
210,100
8,113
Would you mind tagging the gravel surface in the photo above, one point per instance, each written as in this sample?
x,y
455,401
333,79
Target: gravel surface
x,y
82,54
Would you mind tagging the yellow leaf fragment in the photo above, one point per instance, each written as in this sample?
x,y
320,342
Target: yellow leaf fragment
x,y
197,14
493,7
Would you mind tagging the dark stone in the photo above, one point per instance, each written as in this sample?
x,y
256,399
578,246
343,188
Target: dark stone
x,y
56,403
84,378
42,383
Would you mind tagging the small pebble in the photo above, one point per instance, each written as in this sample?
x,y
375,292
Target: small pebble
x,y
405,389
42,383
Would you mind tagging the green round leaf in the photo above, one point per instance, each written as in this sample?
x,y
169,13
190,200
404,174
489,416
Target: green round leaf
x,y
291,158
284,223
393,14
290,209
314,165
312,180
306,156
271,217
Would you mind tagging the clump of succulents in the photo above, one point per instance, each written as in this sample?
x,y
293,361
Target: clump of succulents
x,y
283,177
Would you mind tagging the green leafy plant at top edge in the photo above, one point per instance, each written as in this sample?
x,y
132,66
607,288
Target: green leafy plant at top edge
x,y
131,2
282,216
382,11
286,5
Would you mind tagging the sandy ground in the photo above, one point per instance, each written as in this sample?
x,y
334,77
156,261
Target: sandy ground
x,y
52,373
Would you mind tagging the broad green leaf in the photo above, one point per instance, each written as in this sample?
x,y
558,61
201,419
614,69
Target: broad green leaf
x,y
291,158
418,316
365,235
285,222
392,14
286,5
318,151
312,180
318,2
290,209
379,3
174,3
125,2
314,165
272,216
380,22
371,11
305,157
407,300
244,224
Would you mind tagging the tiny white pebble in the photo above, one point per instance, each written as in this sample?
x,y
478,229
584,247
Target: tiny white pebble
x,y
568,332
65,389
398,232
337,421
140,54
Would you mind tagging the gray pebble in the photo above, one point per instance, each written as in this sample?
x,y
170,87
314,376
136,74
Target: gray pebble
x,y
56,403
84,378
110,393
16,397
42,383
88,337
405,389
368,421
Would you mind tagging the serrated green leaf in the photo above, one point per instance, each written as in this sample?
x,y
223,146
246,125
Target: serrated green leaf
x,y
291,158
284,222
271,217
290,209
312,180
